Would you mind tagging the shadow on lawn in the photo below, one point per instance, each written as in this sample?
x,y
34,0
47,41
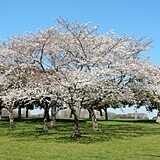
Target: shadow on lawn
x,y
31,130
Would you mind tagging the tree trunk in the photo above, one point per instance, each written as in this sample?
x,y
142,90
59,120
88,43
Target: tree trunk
x,y
19,112
70,116
77,123
45,124
106,114
27,110
11,119
158,116
46,113
90,115
45,121
53,117
158,119
0,114
136,115
94,119
101,114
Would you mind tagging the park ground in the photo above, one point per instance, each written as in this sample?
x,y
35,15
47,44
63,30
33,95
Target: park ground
x,y
115,140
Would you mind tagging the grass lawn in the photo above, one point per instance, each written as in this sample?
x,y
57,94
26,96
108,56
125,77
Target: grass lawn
x,y
116,140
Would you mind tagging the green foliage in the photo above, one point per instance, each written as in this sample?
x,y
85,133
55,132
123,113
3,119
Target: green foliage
x,y
116,140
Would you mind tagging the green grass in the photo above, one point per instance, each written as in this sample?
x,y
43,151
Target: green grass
x,y
116,140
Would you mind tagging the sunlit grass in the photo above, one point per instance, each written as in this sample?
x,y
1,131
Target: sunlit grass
x,y
116,140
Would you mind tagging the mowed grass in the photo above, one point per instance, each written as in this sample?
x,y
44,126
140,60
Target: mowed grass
x,y
116,140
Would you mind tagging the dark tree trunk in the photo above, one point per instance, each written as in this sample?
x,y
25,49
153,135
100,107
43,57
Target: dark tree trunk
x,y
27,110
94,119
19,112
53,117
70,116
106,112
101,114
77,123
46,113
0,114
90,116
11,119
45,121
1,109
106,115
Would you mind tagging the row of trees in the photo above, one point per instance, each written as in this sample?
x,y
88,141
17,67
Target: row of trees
x,y
71,65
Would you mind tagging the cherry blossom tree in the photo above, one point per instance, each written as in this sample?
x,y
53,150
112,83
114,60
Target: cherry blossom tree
x,y
73,64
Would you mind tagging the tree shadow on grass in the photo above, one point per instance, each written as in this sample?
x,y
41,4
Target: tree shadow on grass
x,y
4,125
33,131
107,132
84,139
130,129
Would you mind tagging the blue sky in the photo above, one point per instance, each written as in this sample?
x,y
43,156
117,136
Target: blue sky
x,y
132,17
137,17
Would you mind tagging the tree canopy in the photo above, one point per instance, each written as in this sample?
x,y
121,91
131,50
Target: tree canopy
x,y
73,65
